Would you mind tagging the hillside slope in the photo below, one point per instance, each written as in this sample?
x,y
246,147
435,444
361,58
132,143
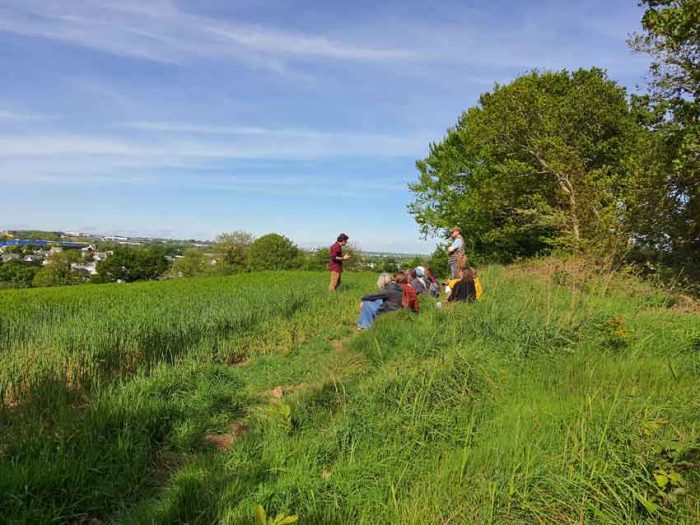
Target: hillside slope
x,y
562,397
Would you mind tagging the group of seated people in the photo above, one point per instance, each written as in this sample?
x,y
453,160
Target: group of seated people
x,y
402,291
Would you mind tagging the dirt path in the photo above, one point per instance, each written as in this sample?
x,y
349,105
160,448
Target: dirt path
x,y
343,363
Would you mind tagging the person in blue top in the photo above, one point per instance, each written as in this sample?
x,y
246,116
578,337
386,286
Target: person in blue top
x,y
456,250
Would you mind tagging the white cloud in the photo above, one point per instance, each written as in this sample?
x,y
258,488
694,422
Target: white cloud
x,y
198,155
483,43
237,143
267,41
160,31
12,116
43,146
183,127
272,133
106,172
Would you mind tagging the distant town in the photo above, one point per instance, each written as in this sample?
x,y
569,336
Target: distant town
x,y
38,247
37,258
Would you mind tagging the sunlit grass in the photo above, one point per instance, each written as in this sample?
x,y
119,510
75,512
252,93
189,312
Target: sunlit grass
x,y
556,399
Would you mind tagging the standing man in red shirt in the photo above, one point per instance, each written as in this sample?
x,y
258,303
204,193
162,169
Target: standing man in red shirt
x,y
336,262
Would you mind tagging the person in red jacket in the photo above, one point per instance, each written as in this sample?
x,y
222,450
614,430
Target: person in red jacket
x,y
410,294
336,261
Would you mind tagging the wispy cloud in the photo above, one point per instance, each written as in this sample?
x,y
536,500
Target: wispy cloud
x,y
185,127
82,173
484,44
13,116
256,131
240,143
161,31
266,41
42,146
201,155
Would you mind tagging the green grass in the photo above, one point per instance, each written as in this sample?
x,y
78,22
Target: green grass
x,y
562,397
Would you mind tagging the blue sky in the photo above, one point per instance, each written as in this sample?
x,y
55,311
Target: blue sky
x,y
186,119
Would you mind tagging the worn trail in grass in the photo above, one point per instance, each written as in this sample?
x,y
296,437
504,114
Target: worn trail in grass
x,y
521,409
562,397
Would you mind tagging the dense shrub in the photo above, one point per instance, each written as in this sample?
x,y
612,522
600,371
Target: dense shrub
x,y
275,252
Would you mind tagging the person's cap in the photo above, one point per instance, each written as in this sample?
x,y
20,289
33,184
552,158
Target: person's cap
x,y
342,237
420,271
456,229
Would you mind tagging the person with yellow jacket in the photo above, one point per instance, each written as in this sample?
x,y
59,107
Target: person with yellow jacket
x,y
466,287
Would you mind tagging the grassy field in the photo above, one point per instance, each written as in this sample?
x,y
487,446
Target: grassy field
x,y
562,397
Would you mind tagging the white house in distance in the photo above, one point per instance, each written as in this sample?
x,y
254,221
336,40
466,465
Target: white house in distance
x,y
90,267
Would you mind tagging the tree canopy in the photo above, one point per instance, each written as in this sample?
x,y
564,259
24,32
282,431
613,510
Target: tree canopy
x,y
132,264
233,251
668,190
59,270
537,163
17,274
275,252
191,264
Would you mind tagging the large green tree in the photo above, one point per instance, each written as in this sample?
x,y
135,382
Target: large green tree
x,y
537,163
17,274
233,251
193,263
666,203
132,264
275,252
59,270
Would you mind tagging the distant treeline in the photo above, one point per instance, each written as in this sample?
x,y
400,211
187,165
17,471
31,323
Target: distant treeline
x,y
570,161
232,253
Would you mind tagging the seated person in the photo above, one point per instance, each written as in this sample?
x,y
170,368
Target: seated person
x,y
431,283
410,299
388,299
464,288
450,284
417,282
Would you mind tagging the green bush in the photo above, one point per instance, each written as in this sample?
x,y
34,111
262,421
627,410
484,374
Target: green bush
x,y
129,264
275,252
17,274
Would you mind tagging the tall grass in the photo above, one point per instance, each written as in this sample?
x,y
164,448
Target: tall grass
x,y
560,398
103,387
